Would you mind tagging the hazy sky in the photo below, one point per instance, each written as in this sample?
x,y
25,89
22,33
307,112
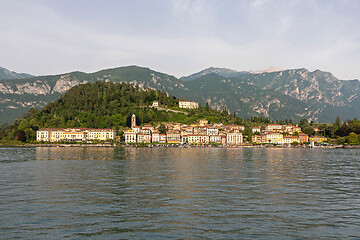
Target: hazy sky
x,y
180,37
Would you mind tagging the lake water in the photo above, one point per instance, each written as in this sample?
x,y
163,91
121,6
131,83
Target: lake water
x,y
162,193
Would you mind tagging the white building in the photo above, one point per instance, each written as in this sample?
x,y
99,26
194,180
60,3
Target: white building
x,y
188,104
212,131
130,136
215,139
155,138
234,138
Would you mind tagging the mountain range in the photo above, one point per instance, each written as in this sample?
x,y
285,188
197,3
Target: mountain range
x,y
274,93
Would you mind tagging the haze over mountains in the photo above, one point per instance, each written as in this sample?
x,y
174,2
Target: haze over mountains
x,y
274,93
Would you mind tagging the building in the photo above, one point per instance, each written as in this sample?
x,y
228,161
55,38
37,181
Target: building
x,y
203,122
193,138
173,137
136,129
212,131
318,139
234,138
255,129
188,104
256,139
155,103
145,131
74,134
185,138
133,121
130,136
272,137
43,135
303,138
148,127
215,138
100,134
198,138
144,138
296,129
274,128
290,139
203,138
162,138
155,137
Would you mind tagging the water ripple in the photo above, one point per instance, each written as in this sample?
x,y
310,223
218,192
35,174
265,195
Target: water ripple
x,y
139,193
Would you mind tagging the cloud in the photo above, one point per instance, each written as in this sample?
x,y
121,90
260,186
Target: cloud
x,y
40,39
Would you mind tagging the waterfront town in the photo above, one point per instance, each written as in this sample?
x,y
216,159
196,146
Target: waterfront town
x,y
175,133
198,133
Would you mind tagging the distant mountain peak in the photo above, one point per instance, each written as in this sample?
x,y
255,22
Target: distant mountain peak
x,y
7,74
268,70
225,72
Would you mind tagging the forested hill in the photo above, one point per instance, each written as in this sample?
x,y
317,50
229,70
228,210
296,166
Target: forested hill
x,y
99,105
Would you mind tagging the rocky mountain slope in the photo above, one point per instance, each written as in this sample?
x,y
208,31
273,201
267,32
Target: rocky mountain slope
x,y
7,74
292,94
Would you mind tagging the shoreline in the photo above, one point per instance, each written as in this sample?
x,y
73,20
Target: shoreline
x,y
176,146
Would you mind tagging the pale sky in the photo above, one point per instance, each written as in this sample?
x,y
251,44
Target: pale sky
x,y
180,37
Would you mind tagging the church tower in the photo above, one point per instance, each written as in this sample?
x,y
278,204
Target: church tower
x,y
133,121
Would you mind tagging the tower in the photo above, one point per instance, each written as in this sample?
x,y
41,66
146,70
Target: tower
x,y
133,121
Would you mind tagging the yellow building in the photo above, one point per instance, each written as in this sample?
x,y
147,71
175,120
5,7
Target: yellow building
x,y
173,137
290,139
100,134
74,134
272,137
318,139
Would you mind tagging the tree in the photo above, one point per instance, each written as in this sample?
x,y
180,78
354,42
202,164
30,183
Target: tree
x,y
309,130
340,140
352,138
337,122
162,129
20,136
207,107
303,123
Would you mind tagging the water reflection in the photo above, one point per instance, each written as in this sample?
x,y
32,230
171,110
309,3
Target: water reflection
x,y
75,153
141,193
